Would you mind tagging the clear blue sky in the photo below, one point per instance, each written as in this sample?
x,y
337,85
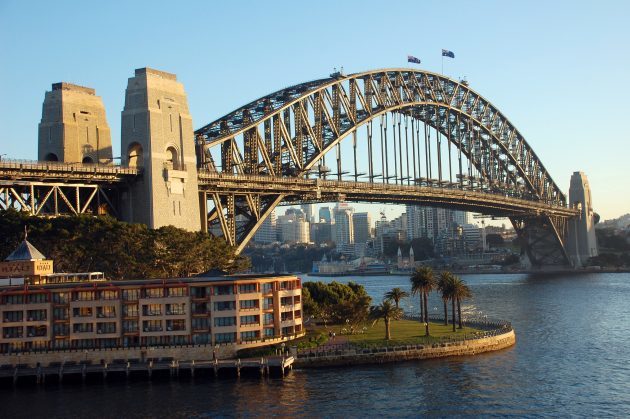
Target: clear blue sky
x,y
558,69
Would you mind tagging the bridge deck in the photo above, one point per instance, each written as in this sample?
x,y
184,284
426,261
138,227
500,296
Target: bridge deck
x,y
39,171
446,193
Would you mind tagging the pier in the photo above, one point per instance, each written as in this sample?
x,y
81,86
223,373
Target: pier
x,y
120,369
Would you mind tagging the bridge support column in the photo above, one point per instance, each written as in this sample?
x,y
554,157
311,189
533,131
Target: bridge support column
x,y
581,242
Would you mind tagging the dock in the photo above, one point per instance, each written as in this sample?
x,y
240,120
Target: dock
x,y
121,369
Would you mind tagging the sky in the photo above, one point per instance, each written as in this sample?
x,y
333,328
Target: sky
x,y
557,69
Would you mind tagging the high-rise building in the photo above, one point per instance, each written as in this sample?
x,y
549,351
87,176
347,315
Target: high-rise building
x,y
362,225
267,231
296,231
343,229
321,232
325,214
309,212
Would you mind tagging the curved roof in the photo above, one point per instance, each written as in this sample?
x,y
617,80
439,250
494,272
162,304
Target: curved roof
x,y
25,251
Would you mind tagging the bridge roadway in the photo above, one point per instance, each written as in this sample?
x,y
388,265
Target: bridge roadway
x,y
449,194
13,170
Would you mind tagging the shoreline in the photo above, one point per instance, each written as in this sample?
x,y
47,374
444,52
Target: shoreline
x,y
358,356
489,272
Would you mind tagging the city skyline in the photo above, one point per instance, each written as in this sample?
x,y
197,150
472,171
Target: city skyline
x,y
550,112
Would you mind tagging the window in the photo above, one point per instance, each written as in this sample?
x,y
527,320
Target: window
x,y
224,305
267,287
268,318
269,332
224,337
37,298
109,295
223,290
286,301
296,299
82,328
61,330
224,321
252,335
13,299
151,309
249,320
60,313
84,296
286,316
13,316
12,332
152,325
61,298
268,303
247,288
82,312
130,326
154,292
36,315
175,325
106,311
248,304
200,324
102,328
131,295
130,310
177,292
176,309
199,292
200,308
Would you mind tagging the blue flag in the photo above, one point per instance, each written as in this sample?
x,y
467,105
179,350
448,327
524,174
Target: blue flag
x,y
412,59
447,53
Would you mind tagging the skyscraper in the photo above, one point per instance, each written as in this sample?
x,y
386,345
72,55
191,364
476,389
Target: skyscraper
x,y
362,224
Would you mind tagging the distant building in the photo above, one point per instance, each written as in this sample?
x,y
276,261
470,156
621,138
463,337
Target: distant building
x,y
326,215
362,225
296,231
321,232
343,229
267,231
309,212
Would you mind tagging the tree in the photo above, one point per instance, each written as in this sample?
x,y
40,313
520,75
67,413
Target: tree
x,y
445,286
460,292
395,295
387,312
336,302
422,283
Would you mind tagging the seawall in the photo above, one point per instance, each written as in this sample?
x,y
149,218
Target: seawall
x,y
358,356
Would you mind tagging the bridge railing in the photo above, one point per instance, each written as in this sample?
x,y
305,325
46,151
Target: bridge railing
x,y
22,164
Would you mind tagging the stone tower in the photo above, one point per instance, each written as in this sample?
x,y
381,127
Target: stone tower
x,y
157,135
74,127
581,241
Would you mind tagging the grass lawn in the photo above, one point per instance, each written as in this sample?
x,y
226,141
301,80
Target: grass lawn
x,y
402,332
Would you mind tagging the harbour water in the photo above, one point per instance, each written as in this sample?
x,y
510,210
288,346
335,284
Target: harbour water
x,y
571,358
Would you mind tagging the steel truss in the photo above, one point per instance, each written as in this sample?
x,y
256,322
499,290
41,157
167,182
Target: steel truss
x,y
54,199
420,118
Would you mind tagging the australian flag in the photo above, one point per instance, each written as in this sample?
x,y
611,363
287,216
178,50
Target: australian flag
x,y
447,53
412,59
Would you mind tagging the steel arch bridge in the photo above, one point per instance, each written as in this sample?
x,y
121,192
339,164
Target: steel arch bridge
x,y
392,135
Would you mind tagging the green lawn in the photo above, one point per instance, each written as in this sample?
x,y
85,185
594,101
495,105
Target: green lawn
x,y
402,332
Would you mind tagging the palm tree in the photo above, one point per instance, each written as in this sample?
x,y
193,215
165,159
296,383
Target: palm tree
x,y
423,282
395,295
460,292
445,286
388,312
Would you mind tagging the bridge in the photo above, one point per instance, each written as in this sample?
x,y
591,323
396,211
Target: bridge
x,y
391,136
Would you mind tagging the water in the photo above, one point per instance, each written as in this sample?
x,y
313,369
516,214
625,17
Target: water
x,y
572,357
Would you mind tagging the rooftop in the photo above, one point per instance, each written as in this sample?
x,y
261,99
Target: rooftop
x,y
25,251
74,87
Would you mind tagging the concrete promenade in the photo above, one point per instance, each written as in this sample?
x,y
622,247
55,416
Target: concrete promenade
x,y
347,355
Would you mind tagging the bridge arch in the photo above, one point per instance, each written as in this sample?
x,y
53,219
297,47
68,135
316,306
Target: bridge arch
x,y
289,134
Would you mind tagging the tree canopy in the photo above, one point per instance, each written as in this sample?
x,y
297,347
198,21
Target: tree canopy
x,y
336,302
121,250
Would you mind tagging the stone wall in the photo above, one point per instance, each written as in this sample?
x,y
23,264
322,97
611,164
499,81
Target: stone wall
x,y
405,353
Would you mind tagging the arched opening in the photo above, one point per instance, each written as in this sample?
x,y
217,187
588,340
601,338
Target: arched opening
x,y
51,157
172,158
87,160
134,155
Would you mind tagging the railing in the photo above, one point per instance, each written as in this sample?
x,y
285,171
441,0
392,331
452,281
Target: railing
x,y
67,166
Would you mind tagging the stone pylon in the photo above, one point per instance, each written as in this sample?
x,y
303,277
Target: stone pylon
x,y
581,240
157,135
74,127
